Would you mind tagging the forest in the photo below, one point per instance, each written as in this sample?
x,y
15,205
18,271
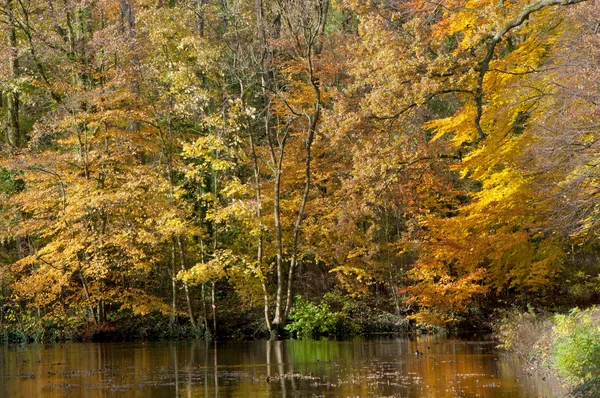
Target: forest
x,y
244,168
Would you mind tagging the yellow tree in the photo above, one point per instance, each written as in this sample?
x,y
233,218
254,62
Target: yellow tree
x,y
289,49
496,241
95,197
484,62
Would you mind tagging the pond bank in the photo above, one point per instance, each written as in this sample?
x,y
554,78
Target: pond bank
x,y
564,344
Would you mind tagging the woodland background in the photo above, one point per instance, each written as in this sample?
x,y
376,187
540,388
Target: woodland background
x,y
172,168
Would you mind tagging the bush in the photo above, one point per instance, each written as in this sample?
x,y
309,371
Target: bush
x,y
569,344
310,320
588,389
527,334
576,353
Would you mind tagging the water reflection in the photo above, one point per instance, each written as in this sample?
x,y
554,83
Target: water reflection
x,y
360,368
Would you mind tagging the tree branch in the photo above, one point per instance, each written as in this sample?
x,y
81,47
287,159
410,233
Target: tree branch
x,y
516,22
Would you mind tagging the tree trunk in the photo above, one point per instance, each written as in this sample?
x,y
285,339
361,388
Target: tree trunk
x,y
204,312
261,33
185,285
200,18
259,243
127,18
312,122
214,308
13,134
173,285
87,297
279,317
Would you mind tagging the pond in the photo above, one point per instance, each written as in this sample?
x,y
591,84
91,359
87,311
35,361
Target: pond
x,y
365,367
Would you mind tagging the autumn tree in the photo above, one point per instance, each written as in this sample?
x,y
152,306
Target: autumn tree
x,y
496,241
188,159
96,196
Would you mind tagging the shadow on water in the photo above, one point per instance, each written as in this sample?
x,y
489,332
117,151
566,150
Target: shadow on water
x,y
382,367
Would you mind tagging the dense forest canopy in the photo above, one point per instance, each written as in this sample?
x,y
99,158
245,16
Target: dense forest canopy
x,y
202,164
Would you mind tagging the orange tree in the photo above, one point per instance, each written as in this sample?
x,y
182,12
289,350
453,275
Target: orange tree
x,y
483,64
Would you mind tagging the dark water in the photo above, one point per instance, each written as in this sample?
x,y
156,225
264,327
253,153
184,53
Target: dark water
x,y
385,367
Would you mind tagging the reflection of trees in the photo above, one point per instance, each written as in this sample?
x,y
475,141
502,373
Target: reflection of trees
x,y
216,369
456,367
309,351
275,349
173,349
387,367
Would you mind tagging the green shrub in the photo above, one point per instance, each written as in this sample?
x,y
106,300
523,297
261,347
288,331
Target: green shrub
x,y
569,344
588,389
576,353
310,320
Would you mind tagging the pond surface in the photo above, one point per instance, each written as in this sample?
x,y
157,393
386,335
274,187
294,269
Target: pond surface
x,y
382,367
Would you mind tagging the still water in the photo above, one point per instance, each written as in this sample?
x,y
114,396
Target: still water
x,y
383,367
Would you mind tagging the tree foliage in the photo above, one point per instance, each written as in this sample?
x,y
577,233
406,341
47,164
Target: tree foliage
x,y
438,159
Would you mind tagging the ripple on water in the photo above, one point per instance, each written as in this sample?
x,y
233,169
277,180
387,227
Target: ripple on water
x,y
382,367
